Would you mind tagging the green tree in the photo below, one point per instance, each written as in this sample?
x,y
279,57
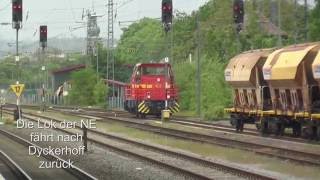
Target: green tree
x,y
141,42
83,83
314,24
218,43
100,93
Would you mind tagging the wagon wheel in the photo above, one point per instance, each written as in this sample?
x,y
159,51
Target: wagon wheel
x,y
318,133
264,126
239,125
296,129
280,129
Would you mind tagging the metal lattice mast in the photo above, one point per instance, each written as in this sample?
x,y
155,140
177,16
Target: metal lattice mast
x,y
93,32
110,57
88,33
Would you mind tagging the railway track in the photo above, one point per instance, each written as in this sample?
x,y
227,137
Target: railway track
x,y
259,148
69,173
283,153
191,122
197,167
9,169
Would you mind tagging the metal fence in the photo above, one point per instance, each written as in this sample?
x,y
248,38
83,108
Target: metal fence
x,y
116,102
31,97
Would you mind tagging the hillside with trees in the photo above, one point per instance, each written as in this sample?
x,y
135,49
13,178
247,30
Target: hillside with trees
x,y
211,32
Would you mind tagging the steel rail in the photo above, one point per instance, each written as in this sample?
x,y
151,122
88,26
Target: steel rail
x,y
74,170
216,165
14,167
282,153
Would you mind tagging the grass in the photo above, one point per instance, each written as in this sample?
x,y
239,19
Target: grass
x,y
6,119
55,115
186,113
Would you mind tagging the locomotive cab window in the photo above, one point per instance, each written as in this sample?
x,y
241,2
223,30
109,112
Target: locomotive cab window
x,y
153,71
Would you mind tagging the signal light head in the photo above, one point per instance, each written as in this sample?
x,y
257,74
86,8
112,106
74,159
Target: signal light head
x,y
17,13
238,11
167,15
43,35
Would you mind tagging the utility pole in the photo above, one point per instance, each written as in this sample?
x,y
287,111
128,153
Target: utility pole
x,y
305,20
97,62
110,57
198,68
238,17
17,14
295,22
17,53
279,24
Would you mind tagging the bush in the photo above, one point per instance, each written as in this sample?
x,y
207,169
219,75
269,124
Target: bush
x,y
216,94
83,83
214,112
100,93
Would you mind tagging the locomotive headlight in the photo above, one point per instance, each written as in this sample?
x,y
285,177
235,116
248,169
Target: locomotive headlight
x,y
168,96
168,86
148,96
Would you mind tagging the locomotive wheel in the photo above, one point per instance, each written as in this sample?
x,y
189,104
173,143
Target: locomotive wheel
x,y
137,115
140,115
143,116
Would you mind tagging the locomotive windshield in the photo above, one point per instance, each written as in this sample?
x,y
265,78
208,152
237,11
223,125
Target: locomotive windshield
x,y
153,71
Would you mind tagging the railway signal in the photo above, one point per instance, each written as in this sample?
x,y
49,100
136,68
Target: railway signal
x,y
166,9
43,36
17,10
238,13
16,14
43,44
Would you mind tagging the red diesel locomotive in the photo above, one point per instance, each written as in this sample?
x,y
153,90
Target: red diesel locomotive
x,y
151,90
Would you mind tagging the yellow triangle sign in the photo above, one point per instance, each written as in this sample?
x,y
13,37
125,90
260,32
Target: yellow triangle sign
x,y
17,89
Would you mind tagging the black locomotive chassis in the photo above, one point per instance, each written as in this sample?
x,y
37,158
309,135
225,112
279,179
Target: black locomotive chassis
x,y
155,106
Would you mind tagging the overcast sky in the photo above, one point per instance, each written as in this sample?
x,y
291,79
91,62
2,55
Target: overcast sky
x,y
60,15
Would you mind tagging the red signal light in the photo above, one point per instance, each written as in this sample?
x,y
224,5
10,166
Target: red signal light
x,y
43,34
166,8
17,11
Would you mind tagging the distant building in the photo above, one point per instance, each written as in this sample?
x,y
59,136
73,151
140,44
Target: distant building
x,y
62,76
